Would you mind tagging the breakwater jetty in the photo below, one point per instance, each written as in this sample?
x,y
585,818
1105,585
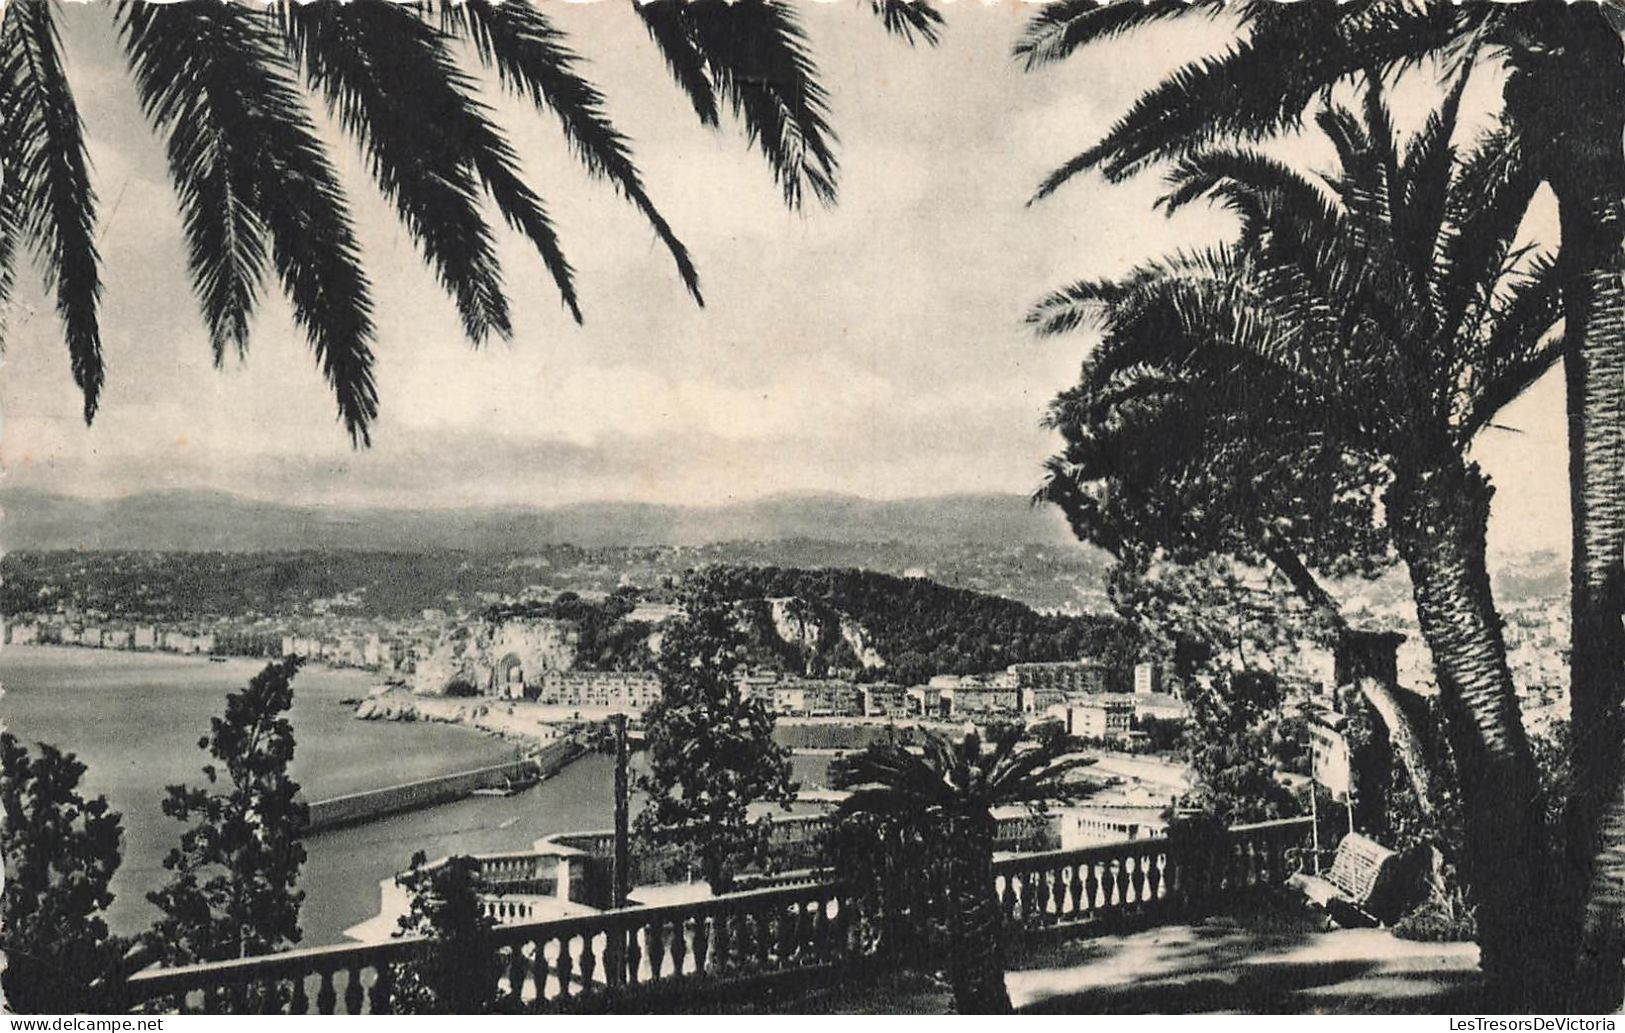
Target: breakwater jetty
x,y
373,804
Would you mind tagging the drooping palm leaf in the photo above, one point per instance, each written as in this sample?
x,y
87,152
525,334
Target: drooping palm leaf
x,y
10,229
386,80
910,19
255,186
753,54
532,58
1060,28
687,65
1248,91
43,158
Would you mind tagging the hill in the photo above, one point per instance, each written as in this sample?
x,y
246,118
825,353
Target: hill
x,y
820,622
194,521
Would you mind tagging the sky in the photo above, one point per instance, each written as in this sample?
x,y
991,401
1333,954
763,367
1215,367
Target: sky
x,y
873,348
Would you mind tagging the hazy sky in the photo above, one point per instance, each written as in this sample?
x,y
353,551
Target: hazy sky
x,y
873,348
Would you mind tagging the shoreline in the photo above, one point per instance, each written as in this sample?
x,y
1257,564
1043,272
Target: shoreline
x,y
496,718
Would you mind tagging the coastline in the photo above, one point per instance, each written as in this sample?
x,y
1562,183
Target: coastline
x,y
527,726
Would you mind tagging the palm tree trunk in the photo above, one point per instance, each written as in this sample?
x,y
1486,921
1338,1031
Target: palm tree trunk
x,y
1439,509
975,922
1594,367
1573,110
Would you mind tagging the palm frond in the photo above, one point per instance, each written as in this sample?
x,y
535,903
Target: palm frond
x,y
1494,185
1250,91
1254,186
10,229
1061,27
253,177
1426,173
673,37
1519,346
754,54
520,206
44,154
532,58
387,81
910,19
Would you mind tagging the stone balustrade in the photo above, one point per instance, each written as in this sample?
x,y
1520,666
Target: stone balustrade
x,y
612,958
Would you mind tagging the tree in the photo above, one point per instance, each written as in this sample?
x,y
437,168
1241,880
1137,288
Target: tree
x,y
947,793
1348,349
1564,119
61,851
456,972
1221,633
258,193
233,893
711,751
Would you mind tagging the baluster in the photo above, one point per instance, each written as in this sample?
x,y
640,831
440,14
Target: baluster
x,y
702,943
517,965
786,947
563,966
1153,876
269,1001
679,946
821,932
634,954
1079,903
1123,882
1137,875
538,968
804,927
1040,909
1108,884
765,938
654,943
1007,899
1091,887
719,944
352,991
380,1003
325,997
589,961
1059,881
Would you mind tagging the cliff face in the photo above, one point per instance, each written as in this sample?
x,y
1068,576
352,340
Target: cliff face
x,y
816,632
857,639
493,657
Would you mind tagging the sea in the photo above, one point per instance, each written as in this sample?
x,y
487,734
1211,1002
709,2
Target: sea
x,y
134,719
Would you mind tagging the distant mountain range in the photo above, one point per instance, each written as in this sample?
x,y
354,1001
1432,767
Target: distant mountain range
x,y
214,521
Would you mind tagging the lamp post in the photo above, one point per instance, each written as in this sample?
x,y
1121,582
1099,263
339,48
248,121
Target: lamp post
x,y
621,873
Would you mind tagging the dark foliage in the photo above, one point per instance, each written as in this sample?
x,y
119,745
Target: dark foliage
x,y
931,811
233,892
711,752
60,851
920,628
456,970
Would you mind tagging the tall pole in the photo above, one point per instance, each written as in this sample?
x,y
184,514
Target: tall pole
x,y
622,868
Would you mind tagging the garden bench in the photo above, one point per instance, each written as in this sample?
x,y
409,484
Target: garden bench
x,y
1354,889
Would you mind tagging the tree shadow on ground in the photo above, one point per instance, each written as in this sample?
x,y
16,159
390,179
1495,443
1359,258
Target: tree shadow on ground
x,y
1275,957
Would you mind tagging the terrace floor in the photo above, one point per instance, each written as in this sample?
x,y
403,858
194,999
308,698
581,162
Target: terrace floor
x,y
1275,960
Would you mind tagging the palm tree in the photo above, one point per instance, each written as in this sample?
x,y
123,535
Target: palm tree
x,y
1363,332
258,195
952,789
1564,98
